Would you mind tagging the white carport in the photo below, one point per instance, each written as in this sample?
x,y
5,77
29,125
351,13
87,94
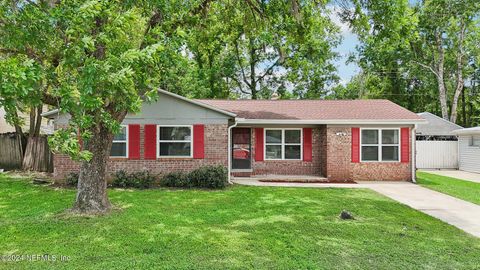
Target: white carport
x,y
436,146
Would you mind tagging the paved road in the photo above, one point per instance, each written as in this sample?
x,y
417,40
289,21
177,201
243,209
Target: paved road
x,y
461,214
468,176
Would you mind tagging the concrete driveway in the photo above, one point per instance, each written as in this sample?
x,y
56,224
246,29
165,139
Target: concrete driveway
x,y
468,176
461,214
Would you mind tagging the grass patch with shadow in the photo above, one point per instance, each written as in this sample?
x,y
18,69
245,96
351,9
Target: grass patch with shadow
x,y
240,227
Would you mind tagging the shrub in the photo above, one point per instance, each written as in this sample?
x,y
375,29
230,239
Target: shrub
x,y
142,179
176,179
215,177
72,179
120,179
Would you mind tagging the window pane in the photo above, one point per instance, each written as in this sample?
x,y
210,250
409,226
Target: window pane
x,y
292,151
175,133
475,141
390,136
118,150
369,136
175,149
274,136
390,153
292,136
370,153
273,152
122,135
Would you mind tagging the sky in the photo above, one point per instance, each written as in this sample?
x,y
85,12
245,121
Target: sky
x,y
346,47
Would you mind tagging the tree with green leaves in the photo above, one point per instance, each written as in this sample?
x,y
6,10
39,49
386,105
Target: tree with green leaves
x,y
420,51
96,61
255,49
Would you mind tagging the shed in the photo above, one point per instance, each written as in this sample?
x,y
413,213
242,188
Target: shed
x,y
469,149
436,146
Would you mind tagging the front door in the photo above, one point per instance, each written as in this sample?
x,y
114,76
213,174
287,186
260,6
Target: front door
x,y
241,149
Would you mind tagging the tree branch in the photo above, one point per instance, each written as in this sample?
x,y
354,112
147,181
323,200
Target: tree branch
x,y
237,54
269,70
427,67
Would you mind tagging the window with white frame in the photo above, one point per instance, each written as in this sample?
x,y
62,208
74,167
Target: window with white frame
x,y
475,140
174,141
120,143
380,144
283,144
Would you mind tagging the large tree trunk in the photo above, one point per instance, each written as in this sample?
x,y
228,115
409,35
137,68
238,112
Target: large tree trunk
x,y
37,153
440,70
92,184
460,81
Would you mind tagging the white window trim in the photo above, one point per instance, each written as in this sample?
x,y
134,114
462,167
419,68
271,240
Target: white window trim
x,y
472,139
167,141
380,144
122,141
282,144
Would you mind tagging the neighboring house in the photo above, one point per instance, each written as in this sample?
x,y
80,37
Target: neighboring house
x,y
469,149
342,140
437,147
45,128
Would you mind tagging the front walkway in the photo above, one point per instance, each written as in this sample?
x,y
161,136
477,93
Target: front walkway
x,y
463,175
461,214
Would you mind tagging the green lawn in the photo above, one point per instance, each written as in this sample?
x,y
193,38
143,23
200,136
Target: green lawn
x,y
241,227
465,190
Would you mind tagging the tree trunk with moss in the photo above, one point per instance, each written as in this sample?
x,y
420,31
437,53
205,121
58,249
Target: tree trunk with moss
x,y
92,184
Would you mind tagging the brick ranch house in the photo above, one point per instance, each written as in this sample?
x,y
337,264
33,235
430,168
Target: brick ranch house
x,y
341,140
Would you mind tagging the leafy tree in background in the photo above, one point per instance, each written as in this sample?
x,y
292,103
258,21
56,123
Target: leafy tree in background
x,y
255,49
420,52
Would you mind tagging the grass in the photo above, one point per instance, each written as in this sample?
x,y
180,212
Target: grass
x,y
465,190
240,227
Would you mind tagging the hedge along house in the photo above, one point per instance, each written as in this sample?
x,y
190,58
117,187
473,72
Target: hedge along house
x,y
343,140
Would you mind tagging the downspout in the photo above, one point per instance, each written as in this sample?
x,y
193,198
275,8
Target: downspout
x,y
230,151
414,162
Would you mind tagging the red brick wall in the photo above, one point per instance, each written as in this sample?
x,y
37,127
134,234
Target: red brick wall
x,y
294,167
340,167
216,139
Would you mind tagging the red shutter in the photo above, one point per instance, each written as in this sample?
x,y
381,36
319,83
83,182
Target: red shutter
x,y
259,144
307,144
134,141
150,142
198,141
405,145
355,145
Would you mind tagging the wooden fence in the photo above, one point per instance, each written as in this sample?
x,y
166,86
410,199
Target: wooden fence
x,y
12,152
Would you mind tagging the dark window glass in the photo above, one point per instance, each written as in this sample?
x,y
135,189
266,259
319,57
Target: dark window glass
x,y
292,151
370,153
119,149
121,135
175,133
292,136
369,136
273,136
390,153
390,136
174,149
273,151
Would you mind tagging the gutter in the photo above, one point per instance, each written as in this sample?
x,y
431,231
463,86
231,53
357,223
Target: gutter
x,y
229,170
414,154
